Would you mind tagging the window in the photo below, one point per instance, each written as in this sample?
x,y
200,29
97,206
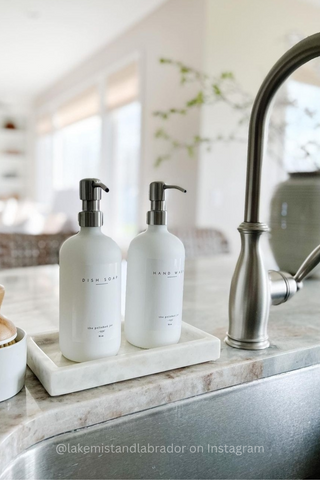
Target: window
x,y
76,153
96,131
123,119
124,149
302,144
122,87
83,106
76,140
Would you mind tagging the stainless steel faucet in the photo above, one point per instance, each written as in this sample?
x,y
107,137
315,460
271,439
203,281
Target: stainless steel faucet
x,y
253,288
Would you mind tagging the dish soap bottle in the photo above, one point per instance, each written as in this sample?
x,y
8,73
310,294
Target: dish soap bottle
x,y
90,290
155,279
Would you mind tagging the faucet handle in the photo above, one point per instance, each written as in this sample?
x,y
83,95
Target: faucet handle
x,y
308,265
283,285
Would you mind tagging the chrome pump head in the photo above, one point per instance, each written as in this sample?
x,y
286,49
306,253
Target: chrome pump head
x,y
90,194
158,213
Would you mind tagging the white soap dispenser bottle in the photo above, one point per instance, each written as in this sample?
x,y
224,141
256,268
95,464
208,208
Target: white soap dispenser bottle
x,y
90,288
155,279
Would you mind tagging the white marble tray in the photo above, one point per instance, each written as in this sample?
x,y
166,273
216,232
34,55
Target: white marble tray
x,y
60,376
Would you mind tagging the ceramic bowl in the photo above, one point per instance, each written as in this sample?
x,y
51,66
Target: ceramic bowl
x,y
13,361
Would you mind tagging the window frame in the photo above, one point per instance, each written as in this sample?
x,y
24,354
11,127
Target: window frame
x,y
98,80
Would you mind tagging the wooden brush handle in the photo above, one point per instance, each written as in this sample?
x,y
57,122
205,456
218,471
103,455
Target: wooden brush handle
x,y
2,292
7,329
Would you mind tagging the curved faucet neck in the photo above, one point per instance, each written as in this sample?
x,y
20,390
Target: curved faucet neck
x,y
298,55
252,289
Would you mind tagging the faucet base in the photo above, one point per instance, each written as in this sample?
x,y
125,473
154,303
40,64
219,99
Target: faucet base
x,y
246,345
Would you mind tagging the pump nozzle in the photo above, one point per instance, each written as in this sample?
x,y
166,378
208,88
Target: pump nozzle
x,y
158,213
90,194
165,187
97,183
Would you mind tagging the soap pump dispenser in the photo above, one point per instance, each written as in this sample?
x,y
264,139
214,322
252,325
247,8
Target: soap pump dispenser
x,y
155,279
90,289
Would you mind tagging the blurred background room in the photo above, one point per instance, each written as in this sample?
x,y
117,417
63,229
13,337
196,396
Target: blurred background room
x,y
133,91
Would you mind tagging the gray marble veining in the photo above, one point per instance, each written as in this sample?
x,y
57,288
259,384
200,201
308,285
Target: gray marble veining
x,y
60,376
31,301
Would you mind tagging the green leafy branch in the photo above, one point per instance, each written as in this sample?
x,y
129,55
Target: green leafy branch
x,y
212,90
175,145
225,90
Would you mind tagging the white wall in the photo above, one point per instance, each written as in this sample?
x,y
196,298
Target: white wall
x,y
245,37
175,30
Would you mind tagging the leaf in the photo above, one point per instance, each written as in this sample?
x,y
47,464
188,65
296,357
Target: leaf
x,y
198,100
190,150
163,115
161,159
181,111
161,133
198,139
226,75
173,111
191,102
216,90
309,113
184,69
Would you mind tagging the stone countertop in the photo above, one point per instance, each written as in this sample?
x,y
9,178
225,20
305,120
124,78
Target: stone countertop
x,y
31,302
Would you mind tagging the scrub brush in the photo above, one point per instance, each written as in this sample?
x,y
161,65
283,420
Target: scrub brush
x,y
8,331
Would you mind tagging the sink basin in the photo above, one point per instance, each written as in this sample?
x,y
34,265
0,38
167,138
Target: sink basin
x,y
265,429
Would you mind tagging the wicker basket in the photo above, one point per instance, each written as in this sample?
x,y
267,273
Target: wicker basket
x,y
22,250
201,242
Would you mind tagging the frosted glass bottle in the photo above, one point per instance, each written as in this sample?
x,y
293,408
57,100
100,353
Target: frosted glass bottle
x,y
90,285
155,276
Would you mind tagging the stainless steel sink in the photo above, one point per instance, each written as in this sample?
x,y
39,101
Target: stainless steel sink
x,y
207,436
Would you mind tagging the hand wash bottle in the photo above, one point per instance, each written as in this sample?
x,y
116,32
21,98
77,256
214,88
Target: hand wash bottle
x,y
90,266
155,279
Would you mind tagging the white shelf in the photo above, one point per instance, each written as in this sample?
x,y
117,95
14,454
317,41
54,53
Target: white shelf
x,y
11,180
16,140
12,133
12,157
